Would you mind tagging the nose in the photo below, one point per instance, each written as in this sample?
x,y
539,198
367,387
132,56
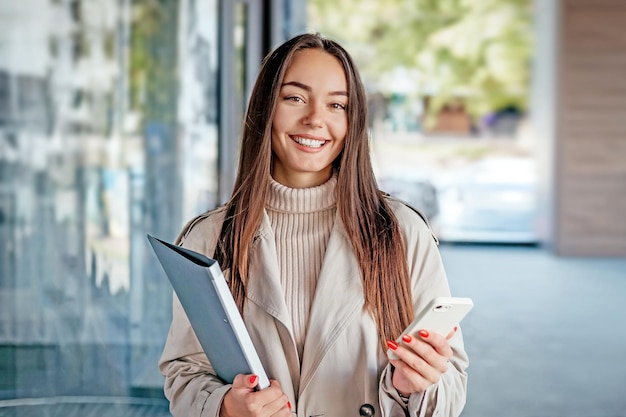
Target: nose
x,y
314,116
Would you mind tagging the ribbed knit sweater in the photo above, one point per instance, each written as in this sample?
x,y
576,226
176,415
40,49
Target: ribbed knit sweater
x,y
302,219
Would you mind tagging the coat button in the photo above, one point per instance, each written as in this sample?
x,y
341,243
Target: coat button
x,y
366,410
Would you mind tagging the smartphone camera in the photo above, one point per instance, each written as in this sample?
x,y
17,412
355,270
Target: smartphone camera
x,y
440,308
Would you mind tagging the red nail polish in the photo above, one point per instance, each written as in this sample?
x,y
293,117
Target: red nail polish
x,y
407,338
456,328
392,345
289,405
424,333
253,379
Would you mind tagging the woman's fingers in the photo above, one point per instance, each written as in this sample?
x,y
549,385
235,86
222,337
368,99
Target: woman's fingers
x,y
452,332
434,341
407,379
245,381
422,359
243,400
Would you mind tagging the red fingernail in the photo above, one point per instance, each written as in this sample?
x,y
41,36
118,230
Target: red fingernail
x,y
407,338
456,328
253,379
392,345
424,333
289,405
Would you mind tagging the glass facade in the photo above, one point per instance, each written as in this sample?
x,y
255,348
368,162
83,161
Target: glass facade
x,y
108,131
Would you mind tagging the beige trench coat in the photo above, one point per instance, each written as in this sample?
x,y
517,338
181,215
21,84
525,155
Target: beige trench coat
x,y
343,366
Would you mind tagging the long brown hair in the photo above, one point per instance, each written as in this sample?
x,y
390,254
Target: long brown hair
x,y
373,229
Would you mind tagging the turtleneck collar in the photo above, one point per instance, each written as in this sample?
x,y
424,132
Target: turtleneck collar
x,y
302,200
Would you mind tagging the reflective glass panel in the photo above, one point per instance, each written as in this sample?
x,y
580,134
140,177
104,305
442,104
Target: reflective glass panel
x,y
108,131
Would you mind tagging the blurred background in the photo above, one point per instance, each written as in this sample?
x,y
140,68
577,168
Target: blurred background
x,y
501,120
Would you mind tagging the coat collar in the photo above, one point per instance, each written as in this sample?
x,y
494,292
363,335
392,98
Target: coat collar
x,y
338,296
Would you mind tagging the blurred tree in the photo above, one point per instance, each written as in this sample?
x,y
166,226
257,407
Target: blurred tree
x,y
478,50
153,60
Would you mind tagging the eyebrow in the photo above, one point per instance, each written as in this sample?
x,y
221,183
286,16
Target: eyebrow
x,y
308,88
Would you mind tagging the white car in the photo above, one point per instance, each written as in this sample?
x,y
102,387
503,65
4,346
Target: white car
x,y
491,201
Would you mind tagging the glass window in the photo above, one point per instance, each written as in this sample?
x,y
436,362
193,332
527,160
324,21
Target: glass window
x,y
108,131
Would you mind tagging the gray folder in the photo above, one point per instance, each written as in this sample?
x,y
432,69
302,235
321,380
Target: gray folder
x,y
206,298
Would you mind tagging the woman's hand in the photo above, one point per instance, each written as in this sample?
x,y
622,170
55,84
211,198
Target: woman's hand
x,y
422,359
243,401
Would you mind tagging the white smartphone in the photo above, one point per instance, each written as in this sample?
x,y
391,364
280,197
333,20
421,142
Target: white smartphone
x,y
439,316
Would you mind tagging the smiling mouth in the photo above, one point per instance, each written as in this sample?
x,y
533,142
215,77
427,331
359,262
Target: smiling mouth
x,y
309,143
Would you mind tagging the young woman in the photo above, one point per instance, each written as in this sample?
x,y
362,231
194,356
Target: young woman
x,y
326,269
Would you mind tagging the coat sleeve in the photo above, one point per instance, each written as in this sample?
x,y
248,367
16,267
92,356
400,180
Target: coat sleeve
x,y
428,279
191,385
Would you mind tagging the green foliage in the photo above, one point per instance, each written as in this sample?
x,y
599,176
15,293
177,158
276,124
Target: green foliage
x,y
477,50
153,79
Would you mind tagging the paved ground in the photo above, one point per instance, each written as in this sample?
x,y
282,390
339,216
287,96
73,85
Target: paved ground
x,y
546,337
84,407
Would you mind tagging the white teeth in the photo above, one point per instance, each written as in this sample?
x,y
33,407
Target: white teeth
x,y
311,143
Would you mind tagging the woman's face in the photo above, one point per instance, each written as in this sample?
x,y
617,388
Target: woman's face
x,y
310,122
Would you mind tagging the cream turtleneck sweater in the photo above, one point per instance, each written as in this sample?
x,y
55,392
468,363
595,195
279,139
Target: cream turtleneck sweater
x,y
302,219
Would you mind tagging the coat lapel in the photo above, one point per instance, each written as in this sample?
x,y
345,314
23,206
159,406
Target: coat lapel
x,y
338,299
264,287
266,292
